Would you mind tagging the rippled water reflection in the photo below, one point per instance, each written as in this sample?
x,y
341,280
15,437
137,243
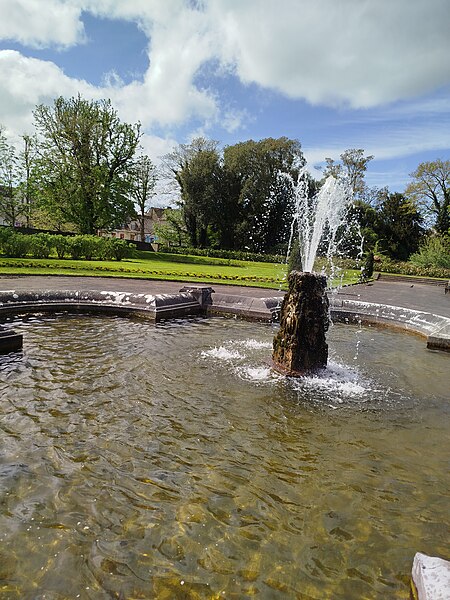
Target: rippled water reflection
x,y
171,462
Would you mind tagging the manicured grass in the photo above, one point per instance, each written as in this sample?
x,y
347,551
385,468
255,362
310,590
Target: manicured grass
x,y
151,265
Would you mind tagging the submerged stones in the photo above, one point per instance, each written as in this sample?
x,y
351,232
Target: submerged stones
x,y
300,345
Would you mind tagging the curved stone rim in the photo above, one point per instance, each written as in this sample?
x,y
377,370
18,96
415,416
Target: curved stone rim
x,y
435,328
194,301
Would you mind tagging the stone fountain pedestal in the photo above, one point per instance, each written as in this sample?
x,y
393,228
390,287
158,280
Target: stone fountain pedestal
x,y
300,346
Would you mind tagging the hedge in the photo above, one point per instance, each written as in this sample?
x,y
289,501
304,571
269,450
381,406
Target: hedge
x,y
229,254
41,245
408,268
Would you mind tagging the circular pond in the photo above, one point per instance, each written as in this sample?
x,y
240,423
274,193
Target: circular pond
x,y
170,461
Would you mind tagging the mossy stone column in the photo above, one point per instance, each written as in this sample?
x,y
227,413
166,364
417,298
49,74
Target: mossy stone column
x,y
300,345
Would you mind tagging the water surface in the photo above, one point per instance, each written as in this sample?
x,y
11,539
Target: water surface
x,y
169,461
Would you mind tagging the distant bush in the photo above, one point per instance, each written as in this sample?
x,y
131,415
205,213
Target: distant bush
x,y
5,232
117,249
76,246
15,245
61,245
435,252
409,268
41,245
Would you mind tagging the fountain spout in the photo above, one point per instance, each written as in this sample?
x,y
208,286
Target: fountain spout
x,y
300,345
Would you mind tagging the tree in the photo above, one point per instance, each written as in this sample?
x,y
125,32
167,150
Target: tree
x,y
201,187
399,225
240,200
430,190
353,166
173,231
258,181
26,161
11,204
196,168
143,181
84,163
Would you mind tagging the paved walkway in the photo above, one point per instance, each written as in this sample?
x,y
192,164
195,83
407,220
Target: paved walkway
x,y
420,296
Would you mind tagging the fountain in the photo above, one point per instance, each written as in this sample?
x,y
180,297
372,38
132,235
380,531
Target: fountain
x,y
300,346
171,462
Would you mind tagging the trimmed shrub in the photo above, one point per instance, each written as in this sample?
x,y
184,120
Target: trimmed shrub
x,y
16,245
435,252
409,268
76,247
120,249
61,245
229,254
5,232
40,245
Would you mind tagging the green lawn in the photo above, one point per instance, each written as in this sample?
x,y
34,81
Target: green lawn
x,y
151,265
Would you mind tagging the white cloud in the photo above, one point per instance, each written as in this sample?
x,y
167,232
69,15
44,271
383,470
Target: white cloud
x,y
356,52
353,53
26,82
359,53
39,23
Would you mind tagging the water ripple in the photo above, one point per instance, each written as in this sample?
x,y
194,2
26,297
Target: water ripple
x,y
170,461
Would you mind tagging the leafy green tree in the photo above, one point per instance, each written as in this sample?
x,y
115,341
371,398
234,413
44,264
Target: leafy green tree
x,y
84,163
430,190
434,252
26,160
200,182
257,179
143,181
399,225
172,232
353,166
196,170
12,206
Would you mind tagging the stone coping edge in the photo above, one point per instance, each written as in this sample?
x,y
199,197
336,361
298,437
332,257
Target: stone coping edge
x,y
202,300
151,306
430,578
435,328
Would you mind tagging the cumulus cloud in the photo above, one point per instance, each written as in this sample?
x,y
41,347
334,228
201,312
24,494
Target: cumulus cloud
x,y
352,53
27,82
38,23
355,52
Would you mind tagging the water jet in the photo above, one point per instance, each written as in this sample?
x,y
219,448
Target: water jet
x,y
300,346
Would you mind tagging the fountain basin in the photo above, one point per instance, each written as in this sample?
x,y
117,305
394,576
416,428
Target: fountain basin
x,y
170,461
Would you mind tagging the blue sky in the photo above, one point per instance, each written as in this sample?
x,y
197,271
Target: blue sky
x,y
334,74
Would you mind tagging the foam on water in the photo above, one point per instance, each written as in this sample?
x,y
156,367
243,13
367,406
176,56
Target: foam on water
x,y
337,378
222,353
337,381
255,344
337,386
256,373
